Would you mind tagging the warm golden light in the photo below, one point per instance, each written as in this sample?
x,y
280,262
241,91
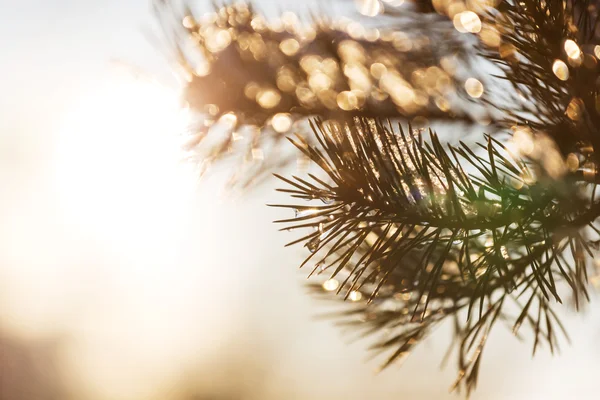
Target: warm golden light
x,y
575,109
467,21
281,122
189,22
289,47
572,49
442,104
370,8
330,285
218,41
347,100
572,162
490,36
355,295
229,120
561,70
474,87
377,70
268,98
522,141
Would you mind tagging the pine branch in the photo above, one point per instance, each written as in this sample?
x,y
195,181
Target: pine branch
x,y
248,70
544,51
452,230
415,231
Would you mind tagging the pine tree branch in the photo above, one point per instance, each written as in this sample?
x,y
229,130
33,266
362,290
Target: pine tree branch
x,y
414,231
543,50
402,216
269,74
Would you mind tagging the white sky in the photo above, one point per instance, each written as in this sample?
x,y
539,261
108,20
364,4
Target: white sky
x,y
214,281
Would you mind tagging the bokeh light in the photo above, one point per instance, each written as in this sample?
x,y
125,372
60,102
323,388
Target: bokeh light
x,y
561,70
474,87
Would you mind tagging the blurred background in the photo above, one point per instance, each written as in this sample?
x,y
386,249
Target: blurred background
x,y
123,277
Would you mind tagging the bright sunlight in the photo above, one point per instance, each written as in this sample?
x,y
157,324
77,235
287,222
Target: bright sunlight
x,y
118,156
125,194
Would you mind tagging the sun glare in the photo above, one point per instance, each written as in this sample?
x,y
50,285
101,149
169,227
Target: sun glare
x,y
118,159
121,183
